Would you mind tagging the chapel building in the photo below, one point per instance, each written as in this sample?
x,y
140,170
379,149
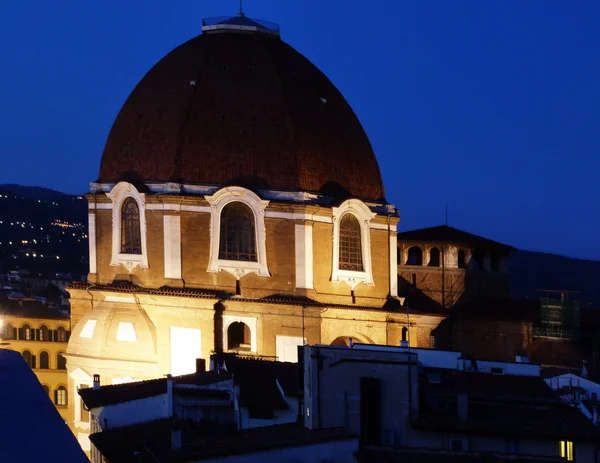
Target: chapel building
x,y
239,207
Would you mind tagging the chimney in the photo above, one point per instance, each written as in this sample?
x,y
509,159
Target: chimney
x,y
403,343
462,404
169,396
200,365
176,435
96,382
351,342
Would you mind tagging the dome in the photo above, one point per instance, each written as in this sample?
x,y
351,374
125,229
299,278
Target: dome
x,y
235,108
116,331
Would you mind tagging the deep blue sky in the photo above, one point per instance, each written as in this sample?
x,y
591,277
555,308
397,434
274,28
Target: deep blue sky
x,y
492,107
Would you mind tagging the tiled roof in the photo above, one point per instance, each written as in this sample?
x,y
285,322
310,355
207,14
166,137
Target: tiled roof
x,y
446,234
503,405
29,308
556,353
119,445
241,109
258,381
119,393
162,291
428,455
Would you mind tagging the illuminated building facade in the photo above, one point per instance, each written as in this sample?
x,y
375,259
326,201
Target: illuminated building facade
x,y
40,334
239,207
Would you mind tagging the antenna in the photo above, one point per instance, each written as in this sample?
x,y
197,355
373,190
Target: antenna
x,y
446,214
241,12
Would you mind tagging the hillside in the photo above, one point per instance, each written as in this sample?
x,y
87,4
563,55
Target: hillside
x,y
531,271
45,231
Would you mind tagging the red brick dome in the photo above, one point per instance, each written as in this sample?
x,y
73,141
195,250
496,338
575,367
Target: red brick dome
x,y
246,109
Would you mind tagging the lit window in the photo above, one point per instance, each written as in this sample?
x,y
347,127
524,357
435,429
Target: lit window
x,y
26,333
60,396
88,329
61,334
566,450
43,333
350,244
131,241
126,332
237,237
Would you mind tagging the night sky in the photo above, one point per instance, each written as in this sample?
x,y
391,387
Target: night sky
x,y
490,107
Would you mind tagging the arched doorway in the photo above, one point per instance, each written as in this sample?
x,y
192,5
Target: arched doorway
x,y
239,337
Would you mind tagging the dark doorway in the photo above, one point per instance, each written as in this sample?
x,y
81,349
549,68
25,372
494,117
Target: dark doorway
x,y
370,411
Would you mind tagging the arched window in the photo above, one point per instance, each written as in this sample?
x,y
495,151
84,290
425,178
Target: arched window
x,y
237,238
46,390
44,360
44,334
61,361
61,334
131,240
415,256
60,396
7,331
25,333
29,359
238,336
434,257
350,244
462,262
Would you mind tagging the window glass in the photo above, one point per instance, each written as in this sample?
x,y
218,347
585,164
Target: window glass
x,y
237,238
131,241
350,244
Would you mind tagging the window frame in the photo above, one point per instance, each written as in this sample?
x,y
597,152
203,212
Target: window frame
x,y
364,215
57,396
239,223
48,366
218,201
119,194
135,225
357,243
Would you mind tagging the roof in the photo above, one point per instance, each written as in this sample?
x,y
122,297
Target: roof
x,y
30,308
119,393
558,353
27,411
241,109
446,234
118,446
429,455
260,382
504,405
499,308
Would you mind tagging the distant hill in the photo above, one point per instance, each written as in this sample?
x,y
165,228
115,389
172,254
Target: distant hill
x,y
531,271
43,231
48,223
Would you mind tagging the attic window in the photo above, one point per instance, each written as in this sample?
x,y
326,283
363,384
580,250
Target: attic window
x,y
88,329
126,332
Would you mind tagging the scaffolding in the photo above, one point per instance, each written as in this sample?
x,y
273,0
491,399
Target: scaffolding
x,y
559,318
